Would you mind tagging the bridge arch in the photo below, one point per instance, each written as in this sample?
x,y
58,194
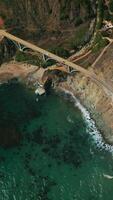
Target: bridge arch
x,y
85,72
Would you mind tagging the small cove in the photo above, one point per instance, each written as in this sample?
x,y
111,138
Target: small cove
x,y
56,153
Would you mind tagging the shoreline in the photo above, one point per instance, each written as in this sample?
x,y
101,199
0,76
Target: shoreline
x,y
96,132
95,114
92,126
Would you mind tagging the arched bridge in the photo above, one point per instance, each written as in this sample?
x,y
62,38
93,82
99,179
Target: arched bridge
x,y
65,63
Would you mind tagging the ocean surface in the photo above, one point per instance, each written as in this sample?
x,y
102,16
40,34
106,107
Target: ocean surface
x,y
58,153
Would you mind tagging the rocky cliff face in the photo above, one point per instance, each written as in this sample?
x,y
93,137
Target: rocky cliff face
x,y
97,100
46,16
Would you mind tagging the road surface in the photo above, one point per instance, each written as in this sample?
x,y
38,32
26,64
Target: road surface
x,y
63,61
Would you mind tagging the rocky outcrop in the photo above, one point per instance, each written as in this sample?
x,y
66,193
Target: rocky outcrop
x,y
95,100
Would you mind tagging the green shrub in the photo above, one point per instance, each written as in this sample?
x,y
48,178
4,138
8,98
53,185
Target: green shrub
x,y
48,63
31,59
99,43
111,18
60,51
78,21
111,5
79,38
64,16
107,15
101,13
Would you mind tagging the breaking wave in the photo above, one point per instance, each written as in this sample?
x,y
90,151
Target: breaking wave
x,y
91,126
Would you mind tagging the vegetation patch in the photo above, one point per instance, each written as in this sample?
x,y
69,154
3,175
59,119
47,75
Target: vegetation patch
x,y
101,13
60,51
31,59
80,38
111,5
99,43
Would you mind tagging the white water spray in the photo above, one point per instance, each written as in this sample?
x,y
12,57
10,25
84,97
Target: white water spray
x,y
91,126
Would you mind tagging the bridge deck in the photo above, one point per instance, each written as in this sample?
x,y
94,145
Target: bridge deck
x,y
47,53
63,61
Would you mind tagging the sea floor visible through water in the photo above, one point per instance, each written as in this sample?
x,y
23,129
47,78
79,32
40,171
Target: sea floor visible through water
x,y
57,156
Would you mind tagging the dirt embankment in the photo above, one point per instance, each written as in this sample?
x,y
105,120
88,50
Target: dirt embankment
x,y
12,70
97,101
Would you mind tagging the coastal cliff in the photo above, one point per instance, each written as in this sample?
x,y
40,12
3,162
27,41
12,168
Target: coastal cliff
x,y
98,101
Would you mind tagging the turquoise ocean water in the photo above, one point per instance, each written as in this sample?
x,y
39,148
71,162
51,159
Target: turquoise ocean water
x,y
56,157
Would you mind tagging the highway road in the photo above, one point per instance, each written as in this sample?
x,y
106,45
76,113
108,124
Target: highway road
x,y
60,60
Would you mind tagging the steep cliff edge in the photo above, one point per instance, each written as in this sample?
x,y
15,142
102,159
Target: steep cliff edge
x,y
95,99
100,61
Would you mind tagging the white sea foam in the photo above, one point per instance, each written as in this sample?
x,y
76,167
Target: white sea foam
x,y
69,119
91,126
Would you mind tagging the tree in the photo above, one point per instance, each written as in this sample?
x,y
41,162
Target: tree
x,y
111,5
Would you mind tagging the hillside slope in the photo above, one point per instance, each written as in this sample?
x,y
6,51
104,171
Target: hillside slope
x,y
49,21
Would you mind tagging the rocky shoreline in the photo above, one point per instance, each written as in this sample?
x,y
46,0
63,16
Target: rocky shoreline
x,y
104,128
92,127
91,96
